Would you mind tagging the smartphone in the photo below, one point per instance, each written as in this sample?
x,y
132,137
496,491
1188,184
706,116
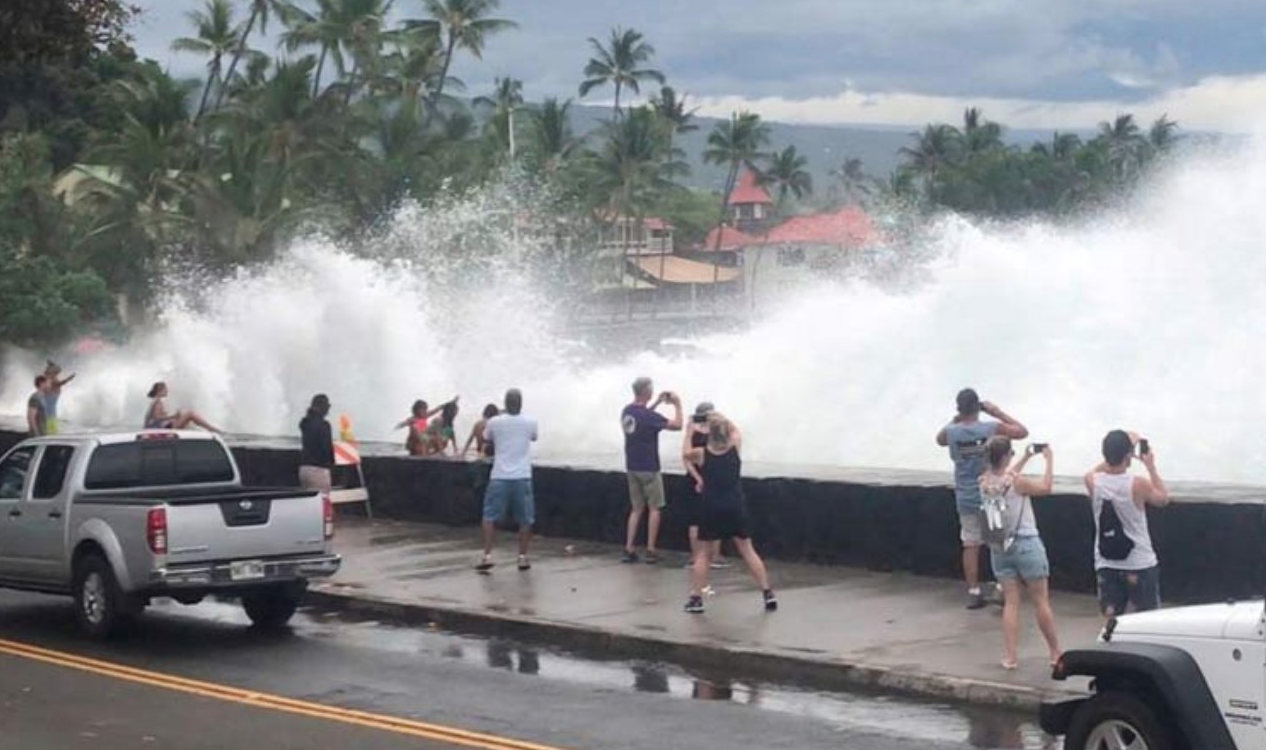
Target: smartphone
x,y
1144,448
699,419
1037,448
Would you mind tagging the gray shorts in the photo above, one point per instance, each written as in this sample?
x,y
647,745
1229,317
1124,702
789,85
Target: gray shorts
x,y
646,489
971,527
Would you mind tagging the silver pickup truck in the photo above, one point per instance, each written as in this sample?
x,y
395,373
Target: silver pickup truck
x,y
116,520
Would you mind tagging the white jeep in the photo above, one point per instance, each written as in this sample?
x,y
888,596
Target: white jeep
x,y
1190,678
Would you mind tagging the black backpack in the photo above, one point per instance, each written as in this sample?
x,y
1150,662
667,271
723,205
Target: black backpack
x,y
1114,543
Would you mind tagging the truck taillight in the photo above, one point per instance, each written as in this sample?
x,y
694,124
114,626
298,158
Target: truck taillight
x,y
327,506
156,530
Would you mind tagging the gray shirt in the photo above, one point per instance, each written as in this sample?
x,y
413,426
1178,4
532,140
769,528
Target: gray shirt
x,y
967,449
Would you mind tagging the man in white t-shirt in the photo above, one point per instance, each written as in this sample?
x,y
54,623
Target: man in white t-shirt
x,y
510,486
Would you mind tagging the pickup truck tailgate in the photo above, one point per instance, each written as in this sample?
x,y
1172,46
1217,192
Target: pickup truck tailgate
x,y
246,524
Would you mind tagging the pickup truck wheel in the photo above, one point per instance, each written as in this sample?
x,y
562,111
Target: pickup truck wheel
x,y
1117,721
272,608
100,606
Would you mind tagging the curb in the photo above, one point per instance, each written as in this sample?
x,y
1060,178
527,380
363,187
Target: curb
x,y
823,672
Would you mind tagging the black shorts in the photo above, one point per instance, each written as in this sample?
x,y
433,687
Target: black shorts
x,y
725,522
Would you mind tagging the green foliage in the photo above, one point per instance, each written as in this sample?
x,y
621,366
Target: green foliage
x,y
41,299
971,170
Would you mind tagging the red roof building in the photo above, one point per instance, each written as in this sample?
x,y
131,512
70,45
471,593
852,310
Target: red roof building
x,y
751,208
731,240
848,227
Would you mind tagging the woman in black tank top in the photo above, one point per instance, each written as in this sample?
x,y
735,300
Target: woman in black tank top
x,y
724,514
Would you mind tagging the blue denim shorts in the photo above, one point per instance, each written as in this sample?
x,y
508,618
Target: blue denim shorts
x,y
514,495
1025,560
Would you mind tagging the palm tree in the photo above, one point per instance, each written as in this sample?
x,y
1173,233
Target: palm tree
x,y
552,140
507,95
979,135
618,65
852,179
734,143
629,172
787,175
412,69
217,37
259,13
305,29
339,28
462,24
1163,134
1123,141
671,108
935,148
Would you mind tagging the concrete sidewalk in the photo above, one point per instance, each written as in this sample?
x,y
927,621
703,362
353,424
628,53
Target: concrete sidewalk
x,y
835,625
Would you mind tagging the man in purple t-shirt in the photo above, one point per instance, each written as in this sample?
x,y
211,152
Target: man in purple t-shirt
x,y
642,425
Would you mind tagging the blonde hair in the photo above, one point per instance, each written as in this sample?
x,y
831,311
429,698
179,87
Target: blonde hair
x,y
718,431
999,451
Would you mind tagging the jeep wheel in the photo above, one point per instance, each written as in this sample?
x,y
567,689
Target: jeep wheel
x,y
1117,721
101,608
271,608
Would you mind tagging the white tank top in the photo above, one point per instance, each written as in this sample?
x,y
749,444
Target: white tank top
x,y
1118,489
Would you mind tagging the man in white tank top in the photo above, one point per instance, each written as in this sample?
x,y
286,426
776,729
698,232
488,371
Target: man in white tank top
x,y
1125,562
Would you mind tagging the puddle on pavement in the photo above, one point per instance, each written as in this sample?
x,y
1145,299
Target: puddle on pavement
x,y
929,721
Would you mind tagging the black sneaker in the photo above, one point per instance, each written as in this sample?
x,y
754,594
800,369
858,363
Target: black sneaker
x,y
694,605
771,601
976,600
652,557
629,557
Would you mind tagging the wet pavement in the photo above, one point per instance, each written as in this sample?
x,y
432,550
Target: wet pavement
x,y
835,625
501,687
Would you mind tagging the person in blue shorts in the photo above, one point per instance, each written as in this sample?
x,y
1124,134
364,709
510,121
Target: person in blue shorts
x,y
510,485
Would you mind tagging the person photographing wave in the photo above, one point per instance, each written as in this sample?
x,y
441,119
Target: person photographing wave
x,y
966,437
641,425
1127,569
724,513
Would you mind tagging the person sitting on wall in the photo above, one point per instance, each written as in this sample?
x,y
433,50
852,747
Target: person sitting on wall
x,y
417,422
157,418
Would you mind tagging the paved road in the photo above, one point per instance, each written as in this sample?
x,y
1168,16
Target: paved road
x,y
333,683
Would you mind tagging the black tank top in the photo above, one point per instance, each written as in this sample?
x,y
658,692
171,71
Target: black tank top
x,y
721,478
698,439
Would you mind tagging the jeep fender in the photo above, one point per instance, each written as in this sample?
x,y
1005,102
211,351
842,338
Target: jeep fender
x,y
99,532
1169,671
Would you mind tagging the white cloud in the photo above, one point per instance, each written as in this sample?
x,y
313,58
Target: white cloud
x,y
1233,104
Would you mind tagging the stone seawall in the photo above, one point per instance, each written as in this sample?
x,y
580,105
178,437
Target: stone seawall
x,y
1210,551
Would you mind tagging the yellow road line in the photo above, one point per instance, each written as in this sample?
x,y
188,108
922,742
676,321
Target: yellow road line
x,y
230,694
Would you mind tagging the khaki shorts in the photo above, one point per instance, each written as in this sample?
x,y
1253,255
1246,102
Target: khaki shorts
x,y
971,527
315,478
646,489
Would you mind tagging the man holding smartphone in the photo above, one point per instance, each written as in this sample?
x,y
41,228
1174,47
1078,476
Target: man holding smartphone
x,y
967,438
1126,567
642,425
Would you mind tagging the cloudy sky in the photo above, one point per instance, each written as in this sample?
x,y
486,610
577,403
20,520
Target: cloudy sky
x,y
1029,63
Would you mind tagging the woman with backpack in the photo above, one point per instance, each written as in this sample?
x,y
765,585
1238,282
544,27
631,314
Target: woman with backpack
x,y
1019,558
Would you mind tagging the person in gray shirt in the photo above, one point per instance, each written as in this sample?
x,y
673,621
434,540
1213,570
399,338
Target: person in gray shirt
x,y
967,437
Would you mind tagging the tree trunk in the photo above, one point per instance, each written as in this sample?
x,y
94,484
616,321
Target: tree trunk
x,y
615,114
316,80
241,50
448,60
730,179
206,90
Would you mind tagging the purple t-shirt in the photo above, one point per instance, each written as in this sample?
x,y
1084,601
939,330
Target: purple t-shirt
x,y
641,437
